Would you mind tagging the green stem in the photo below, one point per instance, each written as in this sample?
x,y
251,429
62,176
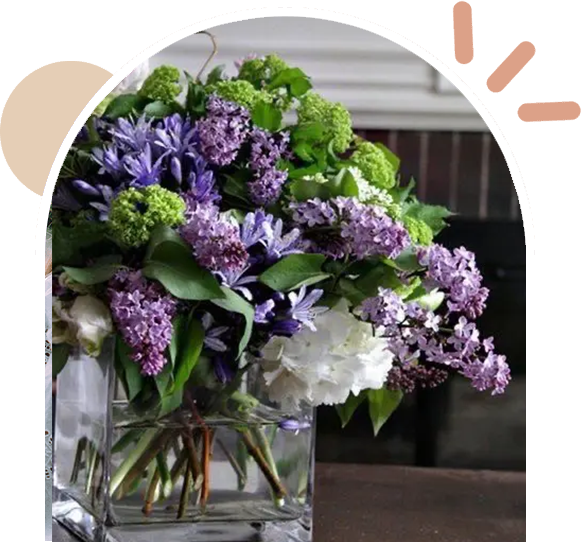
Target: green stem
x,y
129,463
185,495
151,492
242,477
195,466
92,456
165,477
278,489
78,458
265,448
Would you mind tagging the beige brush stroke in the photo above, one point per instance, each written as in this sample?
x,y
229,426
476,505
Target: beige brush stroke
x,y
40,112
556,111
463,19
511,67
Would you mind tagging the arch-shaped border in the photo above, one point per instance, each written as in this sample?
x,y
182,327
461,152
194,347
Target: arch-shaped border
x,y
124,71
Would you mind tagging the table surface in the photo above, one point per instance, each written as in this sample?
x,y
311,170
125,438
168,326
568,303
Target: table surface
x,y
383,503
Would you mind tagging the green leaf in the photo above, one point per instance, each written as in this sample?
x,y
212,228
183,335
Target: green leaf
x,y
380,276
382,404
293,271
312,133
171,402
175,268
215,75
195,97
189,353
294,79
94,274
124,105
407,261
302,190
432,215
400,194
131,370
298,173
161,235
393,159
267,116
177,328
346,411
349,290
304,151
431,301
233,302
163,381
59,356
158,109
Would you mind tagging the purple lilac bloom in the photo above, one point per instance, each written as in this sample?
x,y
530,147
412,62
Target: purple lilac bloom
x,y
102,207
313,212
286,327
267,149
143,313
212,334
215,240
267,186
222,131
302,306
457,273
360,230
424,354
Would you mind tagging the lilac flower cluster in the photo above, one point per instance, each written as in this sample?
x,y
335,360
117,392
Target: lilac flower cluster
x,y
215,240
352,228
267,150
222,131
456,273
143,313
425,352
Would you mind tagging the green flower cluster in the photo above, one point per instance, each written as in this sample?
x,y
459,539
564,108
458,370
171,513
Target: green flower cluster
x,y
261,71
375,167
419,231
241,92
334,117
136,212
162,84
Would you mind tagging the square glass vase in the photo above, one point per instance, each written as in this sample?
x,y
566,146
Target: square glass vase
x,y
121,476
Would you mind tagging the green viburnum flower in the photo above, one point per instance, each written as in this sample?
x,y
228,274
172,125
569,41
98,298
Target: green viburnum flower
x,y
375,167
162,84
334,117
135,213
419,231
239,91
262,70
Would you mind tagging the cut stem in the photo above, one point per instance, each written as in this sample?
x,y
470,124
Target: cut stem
x,y
206,454
151,493
78,459
141,464
130,461
271,477
241,475
194,461
185,495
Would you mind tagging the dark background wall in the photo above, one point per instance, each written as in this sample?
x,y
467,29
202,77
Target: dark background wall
x,y
455,426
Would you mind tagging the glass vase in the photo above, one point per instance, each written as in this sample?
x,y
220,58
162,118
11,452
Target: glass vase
x,y
237,474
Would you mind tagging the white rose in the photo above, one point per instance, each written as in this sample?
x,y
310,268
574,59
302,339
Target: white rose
x,y
322,367
87,322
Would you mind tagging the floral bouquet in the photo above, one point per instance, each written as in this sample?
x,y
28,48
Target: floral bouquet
x,y
228,255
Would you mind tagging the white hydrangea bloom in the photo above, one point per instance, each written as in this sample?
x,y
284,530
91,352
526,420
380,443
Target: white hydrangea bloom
x,y
322,367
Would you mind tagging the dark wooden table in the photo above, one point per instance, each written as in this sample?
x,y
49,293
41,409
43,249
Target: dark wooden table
x,y
379,503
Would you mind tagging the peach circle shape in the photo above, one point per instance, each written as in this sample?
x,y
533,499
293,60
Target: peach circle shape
x,y
40,112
